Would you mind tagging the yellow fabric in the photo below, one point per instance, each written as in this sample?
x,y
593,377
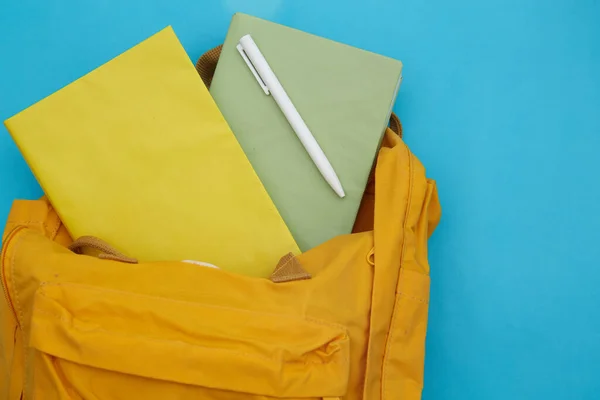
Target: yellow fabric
x,y
117,151
77,327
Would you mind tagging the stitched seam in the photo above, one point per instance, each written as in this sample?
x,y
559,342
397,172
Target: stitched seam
x,y
389,341
151,339
294,276
368,363
16,247
395,312
326,323
192,304
42,293
411,297
5,266
21,222
55,228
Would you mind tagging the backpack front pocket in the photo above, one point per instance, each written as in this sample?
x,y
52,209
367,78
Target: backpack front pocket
x,y
96,343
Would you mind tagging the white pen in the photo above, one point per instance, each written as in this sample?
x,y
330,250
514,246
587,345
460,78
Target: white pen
x,y
270,84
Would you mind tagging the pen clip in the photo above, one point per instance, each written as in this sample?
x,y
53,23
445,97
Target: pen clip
x,y
254,71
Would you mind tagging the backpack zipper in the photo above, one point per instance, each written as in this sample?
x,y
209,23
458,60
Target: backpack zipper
x,y
4,279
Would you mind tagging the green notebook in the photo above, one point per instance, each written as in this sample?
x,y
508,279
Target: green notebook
x,y
344,94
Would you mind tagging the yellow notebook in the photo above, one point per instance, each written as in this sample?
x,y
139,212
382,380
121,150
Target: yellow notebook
x,y
136,152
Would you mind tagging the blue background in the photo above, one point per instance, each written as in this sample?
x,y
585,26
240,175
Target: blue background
x,y
500,100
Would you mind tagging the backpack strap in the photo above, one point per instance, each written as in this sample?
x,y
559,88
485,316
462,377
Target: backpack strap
x,y
289,269
395,124
106,251
207,63
406,212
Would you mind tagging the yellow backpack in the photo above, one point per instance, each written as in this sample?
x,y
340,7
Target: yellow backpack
x,y
345,320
